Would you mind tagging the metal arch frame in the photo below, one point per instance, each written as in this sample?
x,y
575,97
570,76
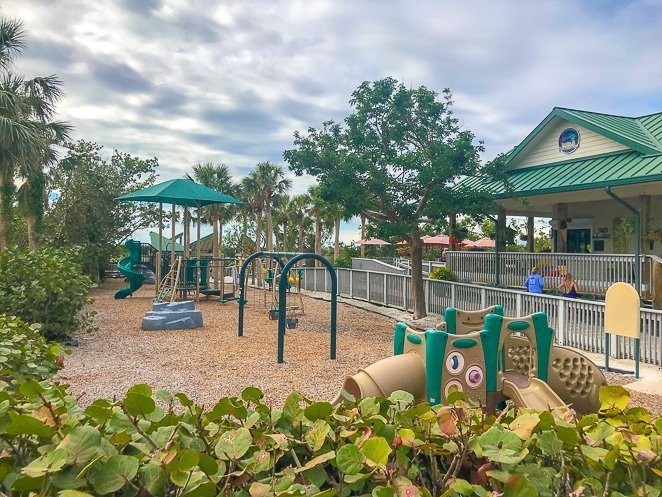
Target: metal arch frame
x,y
282,304
282,294
277,256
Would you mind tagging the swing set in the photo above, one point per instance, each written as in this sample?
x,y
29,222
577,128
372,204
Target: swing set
x,y
281,279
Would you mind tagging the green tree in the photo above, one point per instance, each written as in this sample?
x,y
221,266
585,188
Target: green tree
x,y
396,160
27,130
85,212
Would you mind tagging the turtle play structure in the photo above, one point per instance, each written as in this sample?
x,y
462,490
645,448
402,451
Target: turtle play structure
x,y
488,357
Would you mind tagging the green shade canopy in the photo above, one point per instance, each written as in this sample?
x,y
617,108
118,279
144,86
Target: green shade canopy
x,y
180,192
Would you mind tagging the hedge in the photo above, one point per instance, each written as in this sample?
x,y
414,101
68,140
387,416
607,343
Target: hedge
x,y
46,287
158,444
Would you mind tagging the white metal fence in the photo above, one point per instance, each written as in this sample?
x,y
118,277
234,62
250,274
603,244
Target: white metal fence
x,y
578,323
594,273
376,265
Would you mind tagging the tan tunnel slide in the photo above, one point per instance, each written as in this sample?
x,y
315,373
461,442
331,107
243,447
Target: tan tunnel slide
x,y
401,372
532,393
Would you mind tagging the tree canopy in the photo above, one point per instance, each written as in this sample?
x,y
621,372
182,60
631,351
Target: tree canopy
x,y
395,159
84,212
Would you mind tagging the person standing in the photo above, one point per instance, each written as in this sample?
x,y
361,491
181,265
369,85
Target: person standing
x,y
534,283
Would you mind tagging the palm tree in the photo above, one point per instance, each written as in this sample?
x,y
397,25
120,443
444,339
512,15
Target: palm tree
x,y
251,193
281,217
270,181
321,210
300,214
217,177
27,130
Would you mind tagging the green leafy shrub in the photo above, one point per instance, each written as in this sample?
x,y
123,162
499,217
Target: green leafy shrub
x,y
442,273
344,260
46,287
151,443
156,444
24,352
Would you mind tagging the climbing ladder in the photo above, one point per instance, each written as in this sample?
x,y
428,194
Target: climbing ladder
x,y
169,283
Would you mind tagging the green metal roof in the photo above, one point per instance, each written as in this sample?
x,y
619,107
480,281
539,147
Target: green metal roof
x,y
165,242
642,164
180,192
580,174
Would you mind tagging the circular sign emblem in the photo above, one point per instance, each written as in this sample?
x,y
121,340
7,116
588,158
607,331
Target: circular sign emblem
x,y
569,140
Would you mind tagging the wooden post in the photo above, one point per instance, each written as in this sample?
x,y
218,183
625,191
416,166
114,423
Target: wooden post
x,y
172,235
657,285
530,234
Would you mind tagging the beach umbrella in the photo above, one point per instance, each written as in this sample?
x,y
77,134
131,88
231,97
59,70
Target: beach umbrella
x,y
372,241
484,243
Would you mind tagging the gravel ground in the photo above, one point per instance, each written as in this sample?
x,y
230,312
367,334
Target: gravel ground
x,y
212,361
651,402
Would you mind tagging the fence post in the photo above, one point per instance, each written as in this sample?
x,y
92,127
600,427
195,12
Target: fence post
x,y
518,304
404,292
427,295
367,285
385,301
560,326
315,279
483,298
453,295
351,283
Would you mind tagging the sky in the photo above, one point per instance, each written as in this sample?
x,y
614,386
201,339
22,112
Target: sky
x,y
191,81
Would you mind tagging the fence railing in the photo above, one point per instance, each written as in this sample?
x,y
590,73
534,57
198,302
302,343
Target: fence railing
x,y
376,265
578,323
594,273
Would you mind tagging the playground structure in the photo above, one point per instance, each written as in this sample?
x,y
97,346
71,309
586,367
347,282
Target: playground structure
x,y
488,357
281,279
126,267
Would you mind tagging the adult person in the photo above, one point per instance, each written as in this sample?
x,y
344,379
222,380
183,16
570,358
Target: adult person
x,y
568,287
534,283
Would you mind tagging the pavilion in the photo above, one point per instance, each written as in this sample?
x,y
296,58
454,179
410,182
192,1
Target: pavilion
x,y
599,178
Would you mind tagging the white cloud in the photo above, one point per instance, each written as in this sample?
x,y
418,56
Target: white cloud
x,y
190,81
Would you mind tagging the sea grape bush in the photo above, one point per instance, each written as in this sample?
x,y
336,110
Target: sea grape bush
x,y
46,287
151,443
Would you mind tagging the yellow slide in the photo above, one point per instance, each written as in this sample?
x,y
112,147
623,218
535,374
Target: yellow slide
x,y
400,372
532,393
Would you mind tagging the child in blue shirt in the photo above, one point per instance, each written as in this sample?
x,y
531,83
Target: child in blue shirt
x,y
534,282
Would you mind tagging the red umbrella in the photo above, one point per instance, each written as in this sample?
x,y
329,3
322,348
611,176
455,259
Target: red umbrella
x,y
372,241
484,243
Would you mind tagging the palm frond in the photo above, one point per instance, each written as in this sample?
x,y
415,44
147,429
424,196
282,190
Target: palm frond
x,y
12,41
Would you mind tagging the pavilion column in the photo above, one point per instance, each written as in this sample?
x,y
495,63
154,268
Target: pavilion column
x,y
560,214
644,228
530,234
501,228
